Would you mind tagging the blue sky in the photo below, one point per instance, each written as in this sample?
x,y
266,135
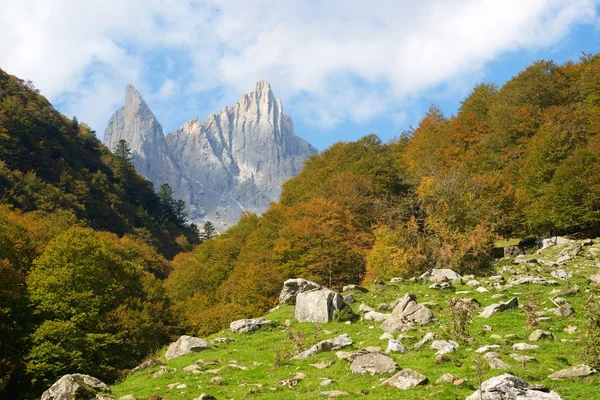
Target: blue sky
x,y
343,68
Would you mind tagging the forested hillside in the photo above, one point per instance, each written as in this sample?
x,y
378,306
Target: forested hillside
x,y
88,284
84,243
517,161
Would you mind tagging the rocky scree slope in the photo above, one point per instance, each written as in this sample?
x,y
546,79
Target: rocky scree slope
x,y
233,161
403,345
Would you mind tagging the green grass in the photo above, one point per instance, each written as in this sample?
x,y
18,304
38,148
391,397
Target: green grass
x,y
257,351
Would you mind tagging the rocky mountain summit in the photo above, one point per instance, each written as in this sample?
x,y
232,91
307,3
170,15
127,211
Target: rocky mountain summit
x,y
442,345
233,161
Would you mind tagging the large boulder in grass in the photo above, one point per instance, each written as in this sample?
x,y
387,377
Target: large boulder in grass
x,y
185,345
318,305
247,325
508,386
292,287
78,387
407,312
441,275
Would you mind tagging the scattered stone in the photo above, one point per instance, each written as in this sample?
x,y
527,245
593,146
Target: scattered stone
x,y
146,364
396,280
217,381
247,325
486,328
497,363
540,334
383,306
429,336
194,368
553,241
531,280
495,336
441,275
491,355
481,289
325,345
442,358
365,308
508,387
595,279
128,397
565,310
561,274
487,348
499,307
205,396
375,316
181,386
332,394
394,346
563,260
386,336
186,345
497,296
354,287
272,310
571,250
373,363
163,370
524,346
75,386
224,340
444,346
573,372
406,379
318,305
522,358
292,287
406,313
349,299
571,330
512,251
323,365
326,382
441,285
446,378
473,283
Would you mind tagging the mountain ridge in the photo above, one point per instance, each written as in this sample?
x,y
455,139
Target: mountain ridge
x,y
233,161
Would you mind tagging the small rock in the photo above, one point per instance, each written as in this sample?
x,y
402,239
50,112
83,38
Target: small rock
x,y
181,386
571,330
205,396
406,379
323,365
224,340
386,336
326,382
446,378
146,364
349,299
357,288
217,381
540,334
522,358
564,311
186,345
524,346
192,368
375,316
407,312
481,289
396,280
487,348
394,346
373,363
247,325
497,363
509,387
499,307
325,345
383,306
441,275
429,336
444,346
128,397
332,394
441,285
473,283
363,308
491,355
573,372
561,274
293,381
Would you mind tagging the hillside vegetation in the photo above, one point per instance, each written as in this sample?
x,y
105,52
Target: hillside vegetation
x,y
99,271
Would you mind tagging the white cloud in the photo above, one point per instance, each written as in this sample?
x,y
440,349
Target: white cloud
x,y
330,61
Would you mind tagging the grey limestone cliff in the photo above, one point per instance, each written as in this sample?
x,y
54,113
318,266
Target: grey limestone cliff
x,y
231,162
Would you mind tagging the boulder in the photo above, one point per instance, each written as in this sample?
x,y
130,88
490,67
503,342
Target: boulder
x,y
406,379
429,336
375,316
395,346
441,285
318,305
507,387
572,250
497,363
444,346
530,280
78,386
292,287
373,363
325,345
185,345
205,396
353,287
349,299
561,274
247,325
525,346
595,279
146,364
512,251
441,275
573,372
332,394
566,310
522,358
487,348
499,307
553,241
365,308
540,334
407,313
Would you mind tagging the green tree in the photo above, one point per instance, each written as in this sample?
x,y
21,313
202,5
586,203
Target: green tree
x,y
208,231
123,152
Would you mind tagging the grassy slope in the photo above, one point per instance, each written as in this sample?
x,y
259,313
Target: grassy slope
x,y
257,351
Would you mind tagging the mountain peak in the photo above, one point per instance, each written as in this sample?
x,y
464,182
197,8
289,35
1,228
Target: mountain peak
x,y
263,86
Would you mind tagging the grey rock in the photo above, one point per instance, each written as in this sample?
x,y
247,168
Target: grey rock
x,y
441,285
553,241
233,161
595,279
292,287
444,346
317,305
375,316
332,394
194,368
353,287
561,274
491,355
572,250
481,289
185,345
407,312
325,345
247,325
485,349
205,396
349,299
77,386
497,363
446,378
473,283
522,358
146,364
564,311
395,346
396,280
406,379
429,336
441,275
373,363
128,397
530,280
499,307
326,382
573,372
525,346
571,330
540,334
563,259
365,308
509,387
